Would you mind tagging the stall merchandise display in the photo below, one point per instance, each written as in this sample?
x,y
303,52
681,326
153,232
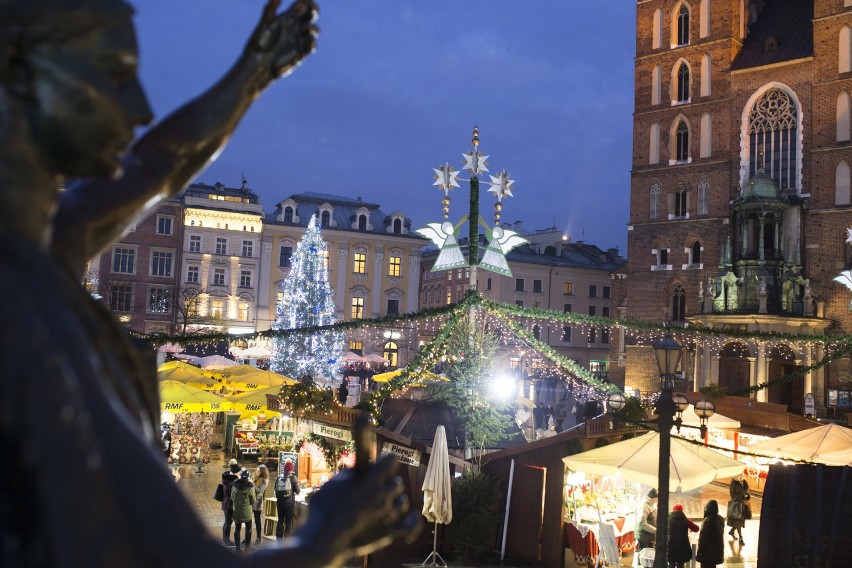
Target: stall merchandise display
x,y
191,436
262,442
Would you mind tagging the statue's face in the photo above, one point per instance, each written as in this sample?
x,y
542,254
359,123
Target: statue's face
x,y
88,101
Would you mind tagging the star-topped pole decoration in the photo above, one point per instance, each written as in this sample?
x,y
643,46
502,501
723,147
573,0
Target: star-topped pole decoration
x,y
501,185
446,178
474,161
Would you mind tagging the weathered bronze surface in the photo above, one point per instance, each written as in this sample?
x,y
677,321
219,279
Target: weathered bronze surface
x,y
82,481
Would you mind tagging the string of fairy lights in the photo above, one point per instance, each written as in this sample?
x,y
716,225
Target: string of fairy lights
x,y
515,327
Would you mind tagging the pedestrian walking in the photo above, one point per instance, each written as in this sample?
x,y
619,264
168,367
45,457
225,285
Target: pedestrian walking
x,y
243,500
261,481
711,549
738,507
228,479
343,392
286,488
646,521
679,547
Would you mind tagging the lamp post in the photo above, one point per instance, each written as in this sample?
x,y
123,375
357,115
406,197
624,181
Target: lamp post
x,y
669,410
668,353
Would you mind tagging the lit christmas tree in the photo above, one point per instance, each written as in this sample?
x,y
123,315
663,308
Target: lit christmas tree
x,y
307,300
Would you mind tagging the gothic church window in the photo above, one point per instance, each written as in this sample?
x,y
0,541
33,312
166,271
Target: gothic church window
x,y
681,27
681,142
680,206
679,304
682,84
772,132
843,113
841,184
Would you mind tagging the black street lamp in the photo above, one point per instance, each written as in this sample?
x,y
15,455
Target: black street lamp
x,y
669,410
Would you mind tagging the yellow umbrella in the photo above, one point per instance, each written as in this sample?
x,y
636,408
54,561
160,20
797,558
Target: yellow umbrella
x,y
423,376
249,378
253,401
176,396
187,374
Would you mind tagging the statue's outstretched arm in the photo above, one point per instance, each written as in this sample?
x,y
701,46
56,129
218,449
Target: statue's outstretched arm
x,y
93,213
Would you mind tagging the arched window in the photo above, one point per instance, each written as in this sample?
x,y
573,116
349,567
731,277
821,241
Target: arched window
x,y
680,205
391,353
654,141
326,219
679,304
362,222
682,142
656,85
705,75
696,253
682,25
773,138
397,226
704,19
288,214
841,184
682,83
706,134
844,50
657,30
843,130
703,195
655,200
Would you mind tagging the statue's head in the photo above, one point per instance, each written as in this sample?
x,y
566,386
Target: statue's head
x,y
68,67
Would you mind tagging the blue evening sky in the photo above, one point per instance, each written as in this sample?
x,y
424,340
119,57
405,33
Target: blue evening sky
x,y
395,88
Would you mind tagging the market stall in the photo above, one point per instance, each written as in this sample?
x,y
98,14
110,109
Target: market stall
x,y
592,502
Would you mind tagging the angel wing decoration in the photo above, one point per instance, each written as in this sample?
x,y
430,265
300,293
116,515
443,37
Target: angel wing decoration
x,y
502,241
443,236
845,278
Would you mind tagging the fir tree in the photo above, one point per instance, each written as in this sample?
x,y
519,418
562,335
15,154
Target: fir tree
x,y
307,301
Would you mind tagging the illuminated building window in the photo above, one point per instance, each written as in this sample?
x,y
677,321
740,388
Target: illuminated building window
x,y
360,266
357,308
395,266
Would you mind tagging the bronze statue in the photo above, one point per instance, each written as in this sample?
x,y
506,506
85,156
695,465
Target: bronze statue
x,y
82,481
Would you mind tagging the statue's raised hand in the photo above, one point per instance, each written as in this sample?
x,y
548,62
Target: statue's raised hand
x,y
281,41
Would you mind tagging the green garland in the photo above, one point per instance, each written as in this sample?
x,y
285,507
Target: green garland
x,y
331,452
304,397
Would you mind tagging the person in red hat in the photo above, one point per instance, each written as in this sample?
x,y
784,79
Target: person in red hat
x,y
286,489
679,548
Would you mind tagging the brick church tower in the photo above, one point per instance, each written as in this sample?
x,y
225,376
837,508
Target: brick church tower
x,y
740,189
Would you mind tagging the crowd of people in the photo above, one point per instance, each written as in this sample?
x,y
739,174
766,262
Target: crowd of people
x,y
242,496
710,551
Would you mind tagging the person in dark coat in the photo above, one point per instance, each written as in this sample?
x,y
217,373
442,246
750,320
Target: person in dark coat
x,y
711,549
343,392
242,503
228,479
646,521
679,548
736,507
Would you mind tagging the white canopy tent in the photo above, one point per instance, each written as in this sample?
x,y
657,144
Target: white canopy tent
x,y
637,459
830,444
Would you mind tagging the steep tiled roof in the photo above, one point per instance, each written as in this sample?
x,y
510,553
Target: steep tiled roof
x,y
790,23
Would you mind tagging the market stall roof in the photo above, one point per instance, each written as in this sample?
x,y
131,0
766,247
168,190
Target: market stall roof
x,y
375,358
255,352
246,377
637,459
187,374
821,444
255,400
179,397
423,376
690,418
351,357
213,362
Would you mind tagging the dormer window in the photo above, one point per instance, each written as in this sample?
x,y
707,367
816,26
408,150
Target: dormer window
x,y
397,226
362,222
287,211
325,219
288,214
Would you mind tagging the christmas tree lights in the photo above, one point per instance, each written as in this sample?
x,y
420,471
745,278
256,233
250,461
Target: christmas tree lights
x,y
307,301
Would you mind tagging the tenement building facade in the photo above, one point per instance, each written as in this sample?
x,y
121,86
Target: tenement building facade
x,y
740,189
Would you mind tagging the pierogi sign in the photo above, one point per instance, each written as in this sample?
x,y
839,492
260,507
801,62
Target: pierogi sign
x,y
408,456
321,429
